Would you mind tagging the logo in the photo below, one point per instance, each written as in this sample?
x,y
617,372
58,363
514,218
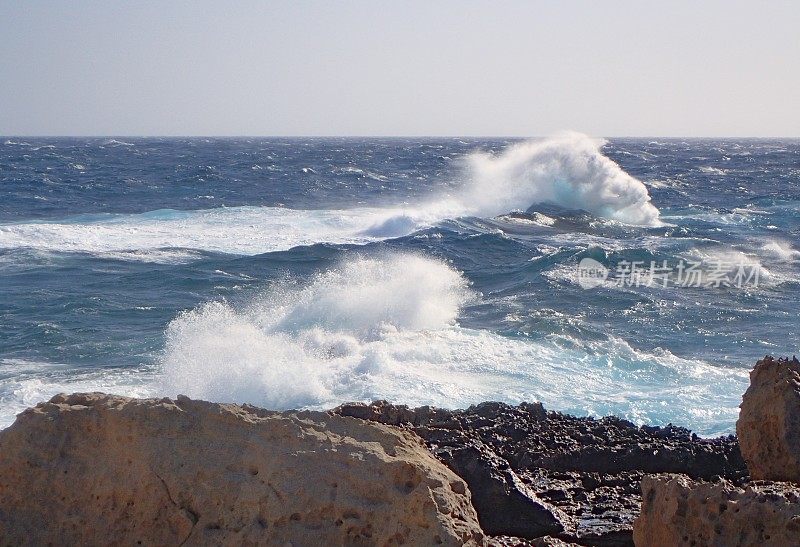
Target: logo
x,y
591,273
713,274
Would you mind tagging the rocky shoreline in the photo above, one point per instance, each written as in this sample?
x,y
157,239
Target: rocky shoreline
x,y
98,469
536,473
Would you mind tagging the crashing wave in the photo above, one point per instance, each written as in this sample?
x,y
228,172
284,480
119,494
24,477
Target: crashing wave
x,y
568,170
300,346
385,327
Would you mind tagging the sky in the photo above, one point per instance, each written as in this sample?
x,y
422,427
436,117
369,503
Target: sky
x,y
400,68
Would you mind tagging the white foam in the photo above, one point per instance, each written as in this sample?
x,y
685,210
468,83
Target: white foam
x,y
385,328
781,250
708,170
536,219
115,142
568,169
235,230
726,258
23,384
156,256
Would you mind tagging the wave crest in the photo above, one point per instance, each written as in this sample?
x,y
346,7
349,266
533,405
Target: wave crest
x,y
568,169
299,346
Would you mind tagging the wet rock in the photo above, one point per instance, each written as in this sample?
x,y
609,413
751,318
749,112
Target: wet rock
x,y
549,541
104,470
769,421
679,511
544,541
585,471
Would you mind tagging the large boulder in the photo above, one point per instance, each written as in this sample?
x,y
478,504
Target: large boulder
x,y
94,469
505,504
769,421
678,511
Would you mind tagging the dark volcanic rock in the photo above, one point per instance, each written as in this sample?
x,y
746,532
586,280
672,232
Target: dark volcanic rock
x,y
505,503
534,473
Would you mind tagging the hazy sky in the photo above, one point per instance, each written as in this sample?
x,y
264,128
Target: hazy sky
x,y
638,68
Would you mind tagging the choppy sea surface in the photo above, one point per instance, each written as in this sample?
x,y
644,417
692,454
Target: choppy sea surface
x,y
307,272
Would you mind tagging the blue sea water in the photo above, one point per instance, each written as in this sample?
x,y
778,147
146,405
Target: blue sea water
x,y
308,272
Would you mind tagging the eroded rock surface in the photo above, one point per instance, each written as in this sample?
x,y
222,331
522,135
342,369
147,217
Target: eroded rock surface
x,y
769,421
91,469
574,478
678,511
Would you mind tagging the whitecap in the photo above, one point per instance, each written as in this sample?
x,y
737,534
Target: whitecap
x,y
24,384
781,250
568,170
115,142
712,170
154,236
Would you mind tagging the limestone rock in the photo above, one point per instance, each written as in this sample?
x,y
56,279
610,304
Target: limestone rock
x,y
89,469
677,511
769,421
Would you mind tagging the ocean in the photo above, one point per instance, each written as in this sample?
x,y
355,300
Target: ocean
x,y
635,277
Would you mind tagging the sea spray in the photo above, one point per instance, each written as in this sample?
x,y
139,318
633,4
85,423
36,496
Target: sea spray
x,y
568,169
386,327
299,345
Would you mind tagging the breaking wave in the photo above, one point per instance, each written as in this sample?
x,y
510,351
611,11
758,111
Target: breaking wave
x,y
568,170
293,345
386,327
